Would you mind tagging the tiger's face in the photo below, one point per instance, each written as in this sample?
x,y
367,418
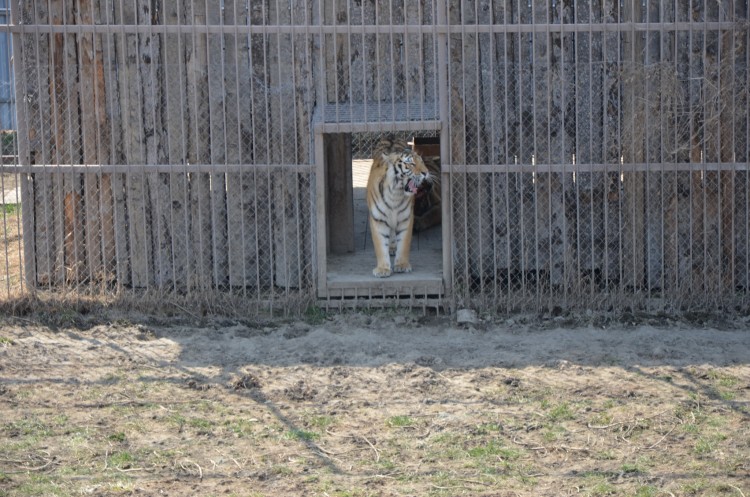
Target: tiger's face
x,y
409,171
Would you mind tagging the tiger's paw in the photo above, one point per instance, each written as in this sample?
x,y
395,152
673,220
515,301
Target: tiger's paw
x,y
381,272
402,268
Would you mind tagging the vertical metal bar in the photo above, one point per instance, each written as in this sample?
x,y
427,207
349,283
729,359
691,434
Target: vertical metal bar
x,y
143,158
200,43
84,139
676,277
465,175
492,159
58,191
576,158
550,177
733,78
335,69
171,159
282,156
592,175
269,173
28,273
506,127
405,42
634,175
478,146
365,94
703,153
534,161
647,219
440,40
621,126
120,250
421,64
209,20
378,63
691,159
75,178
184,146
392,66
662,185
297,161
225,125
157,255
747,156
563,161
50,202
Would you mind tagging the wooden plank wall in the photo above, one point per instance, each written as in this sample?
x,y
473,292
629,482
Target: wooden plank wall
x,y
243,103
149,99
601,97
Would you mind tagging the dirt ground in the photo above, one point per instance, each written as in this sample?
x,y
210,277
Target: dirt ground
x,y
383,403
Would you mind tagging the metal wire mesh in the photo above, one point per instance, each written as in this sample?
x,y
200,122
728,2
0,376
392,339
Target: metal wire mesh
x,y
595,153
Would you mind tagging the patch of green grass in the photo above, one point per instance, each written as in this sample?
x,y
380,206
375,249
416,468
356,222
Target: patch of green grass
x,y
11,209
553,433
302,435
40,485
601,419
321,422
598,486
494,449
240,427
487,428
693,487
177,419
561,412
631,468
121,460
5,341
401,421
315,315
727,395
201,424
647,491
723,379
32,427
707,444
605,455
117,437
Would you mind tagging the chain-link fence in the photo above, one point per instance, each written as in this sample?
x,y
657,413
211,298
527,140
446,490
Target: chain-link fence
x,y
593,153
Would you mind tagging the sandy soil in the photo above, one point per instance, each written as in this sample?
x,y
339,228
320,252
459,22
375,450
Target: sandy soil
x,y
374,404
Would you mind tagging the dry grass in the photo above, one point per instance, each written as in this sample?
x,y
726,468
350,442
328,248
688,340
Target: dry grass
x,y
119,408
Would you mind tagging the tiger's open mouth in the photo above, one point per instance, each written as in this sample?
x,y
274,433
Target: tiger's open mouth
x,y
411,187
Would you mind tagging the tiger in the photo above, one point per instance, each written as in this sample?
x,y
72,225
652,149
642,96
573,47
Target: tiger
x,y
396,176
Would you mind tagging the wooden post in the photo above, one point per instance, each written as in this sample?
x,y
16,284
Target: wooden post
x,y
340,204
633,112
200,256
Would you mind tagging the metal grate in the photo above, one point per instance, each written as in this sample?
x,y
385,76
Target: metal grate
x,y
593,153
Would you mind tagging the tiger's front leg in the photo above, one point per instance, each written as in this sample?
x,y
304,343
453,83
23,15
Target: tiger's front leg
x,y
403,245
381,243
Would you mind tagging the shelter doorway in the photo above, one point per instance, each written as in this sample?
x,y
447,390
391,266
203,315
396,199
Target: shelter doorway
x,y
346,254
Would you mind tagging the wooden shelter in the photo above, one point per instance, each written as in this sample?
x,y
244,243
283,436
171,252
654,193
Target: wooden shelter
x,y
590,150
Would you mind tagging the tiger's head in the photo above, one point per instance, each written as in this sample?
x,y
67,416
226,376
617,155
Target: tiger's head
x,y
409,170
